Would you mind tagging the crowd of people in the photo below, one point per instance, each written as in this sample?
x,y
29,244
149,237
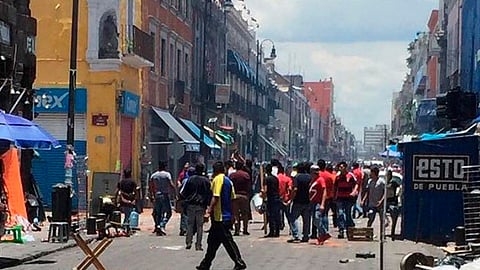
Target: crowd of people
x,y
306,190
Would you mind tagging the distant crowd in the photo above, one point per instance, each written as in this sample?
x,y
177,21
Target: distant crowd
x,y
314,192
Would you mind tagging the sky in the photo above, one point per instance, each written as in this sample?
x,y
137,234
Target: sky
x,y
361,44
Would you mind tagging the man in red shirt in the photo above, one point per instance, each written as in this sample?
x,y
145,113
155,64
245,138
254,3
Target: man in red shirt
x,y
329,184
285,189
240,205
318,197
346,192
358,173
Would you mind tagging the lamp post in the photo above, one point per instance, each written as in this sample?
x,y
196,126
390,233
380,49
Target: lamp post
x,y
73,75
273,55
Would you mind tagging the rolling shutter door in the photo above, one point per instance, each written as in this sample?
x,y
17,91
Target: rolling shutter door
x,y
126,142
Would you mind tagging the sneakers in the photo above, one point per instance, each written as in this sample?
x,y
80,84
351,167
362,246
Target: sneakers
x,y
188,247
294,240
341,235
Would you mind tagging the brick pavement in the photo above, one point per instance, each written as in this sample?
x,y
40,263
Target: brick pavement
x,y
146,251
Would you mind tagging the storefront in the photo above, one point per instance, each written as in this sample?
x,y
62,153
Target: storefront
x,y
51,113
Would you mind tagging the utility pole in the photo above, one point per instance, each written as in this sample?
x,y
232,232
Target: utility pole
x,y
255,115
73,75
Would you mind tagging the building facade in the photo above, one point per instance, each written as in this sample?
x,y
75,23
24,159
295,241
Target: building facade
x,y
18,30
112,52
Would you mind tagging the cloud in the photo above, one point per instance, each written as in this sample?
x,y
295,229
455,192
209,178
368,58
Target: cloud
x,y
341,20
361,44
364,74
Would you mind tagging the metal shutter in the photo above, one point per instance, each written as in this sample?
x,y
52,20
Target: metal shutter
x,y
56,124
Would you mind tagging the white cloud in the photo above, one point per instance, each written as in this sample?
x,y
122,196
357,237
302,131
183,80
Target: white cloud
x,y
365,75
361,44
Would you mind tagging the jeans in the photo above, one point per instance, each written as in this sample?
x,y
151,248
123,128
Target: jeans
x,y
394,211
184,219
195,224
273,215
298,210
127,210
372,212
284,212
241,212
220,234
163,210
314,225
344,213
321,220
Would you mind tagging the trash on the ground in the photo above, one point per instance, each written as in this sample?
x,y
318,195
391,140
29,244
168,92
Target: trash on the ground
x,y
345,260
29,238
365,255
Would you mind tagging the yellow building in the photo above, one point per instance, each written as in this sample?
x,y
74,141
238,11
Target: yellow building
x,y
112,52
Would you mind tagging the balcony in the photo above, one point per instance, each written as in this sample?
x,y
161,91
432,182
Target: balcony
x,y
139,51
262,115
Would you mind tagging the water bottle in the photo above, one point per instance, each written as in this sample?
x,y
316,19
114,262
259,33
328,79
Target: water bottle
x,y
134,216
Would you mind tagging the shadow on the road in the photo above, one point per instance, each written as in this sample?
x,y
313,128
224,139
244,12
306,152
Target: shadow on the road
x,y
42,262
8,262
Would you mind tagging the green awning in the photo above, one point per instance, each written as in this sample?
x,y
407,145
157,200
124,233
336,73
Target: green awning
x,y
225,136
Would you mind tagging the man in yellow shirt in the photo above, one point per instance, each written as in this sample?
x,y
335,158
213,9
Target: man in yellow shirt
x,y
220,213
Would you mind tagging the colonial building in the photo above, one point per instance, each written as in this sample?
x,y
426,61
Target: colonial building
x,y
112,52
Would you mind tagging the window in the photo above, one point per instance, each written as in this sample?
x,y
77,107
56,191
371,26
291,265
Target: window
x,y
179,65
186,72
5,33
163,57
152,69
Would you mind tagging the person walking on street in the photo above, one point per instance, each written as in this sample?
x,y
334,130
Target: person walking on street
x,y
301,204
242,184
318,197
346,190
270,192
375,196
196,194
285,185
160,188
220,212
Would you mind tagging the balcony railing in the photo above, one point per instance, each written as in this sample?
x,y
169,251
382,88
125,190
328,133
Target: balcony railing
x,y
179,91
139,51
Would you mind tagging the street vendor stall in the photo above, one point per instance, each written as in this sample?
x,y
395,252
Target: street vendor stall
x,y
434,185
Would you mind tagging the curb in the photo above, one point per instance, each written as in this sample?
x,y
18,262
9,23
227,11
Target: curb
x,y
31,257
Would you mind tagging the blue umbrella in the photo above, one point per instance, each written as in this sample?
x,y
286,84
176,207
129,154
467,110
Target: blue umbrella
x,y
24,133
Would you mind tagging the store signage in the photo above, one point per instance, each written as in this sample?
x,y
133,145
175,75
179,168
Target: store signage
x,y
129,104
100,120
222,93
192,147
55,100
440,172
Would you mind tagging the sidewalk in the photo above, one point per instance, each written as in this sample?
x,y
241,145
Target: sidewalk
x,y
12,254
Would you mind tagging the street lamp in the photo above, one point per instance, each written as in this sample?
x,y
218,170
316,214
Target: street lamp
x,y
273,55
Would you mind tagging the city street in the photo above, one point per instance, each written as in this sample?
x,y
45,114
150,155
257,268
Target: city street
x,y
147,251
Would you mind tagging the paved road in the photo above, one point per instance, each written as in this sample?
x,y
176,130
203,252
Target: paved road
x,y
146,251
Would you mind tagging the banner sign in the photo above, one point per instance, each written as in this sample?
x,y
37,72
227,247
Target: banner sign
x,y
222,93
440,172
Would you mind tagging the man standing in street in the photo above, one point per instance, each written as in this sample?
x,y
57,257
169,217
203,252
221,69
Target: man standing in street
x,y
285,185
318,198
270,192
127,189
196,194
220,211
346,191
160,188
301,204
242,184
375,196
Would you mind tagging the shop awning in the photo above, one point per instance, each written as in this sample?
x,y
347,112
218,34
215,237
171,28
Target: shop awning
x,y
268,142
225,136
196,130
191,144
280,149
